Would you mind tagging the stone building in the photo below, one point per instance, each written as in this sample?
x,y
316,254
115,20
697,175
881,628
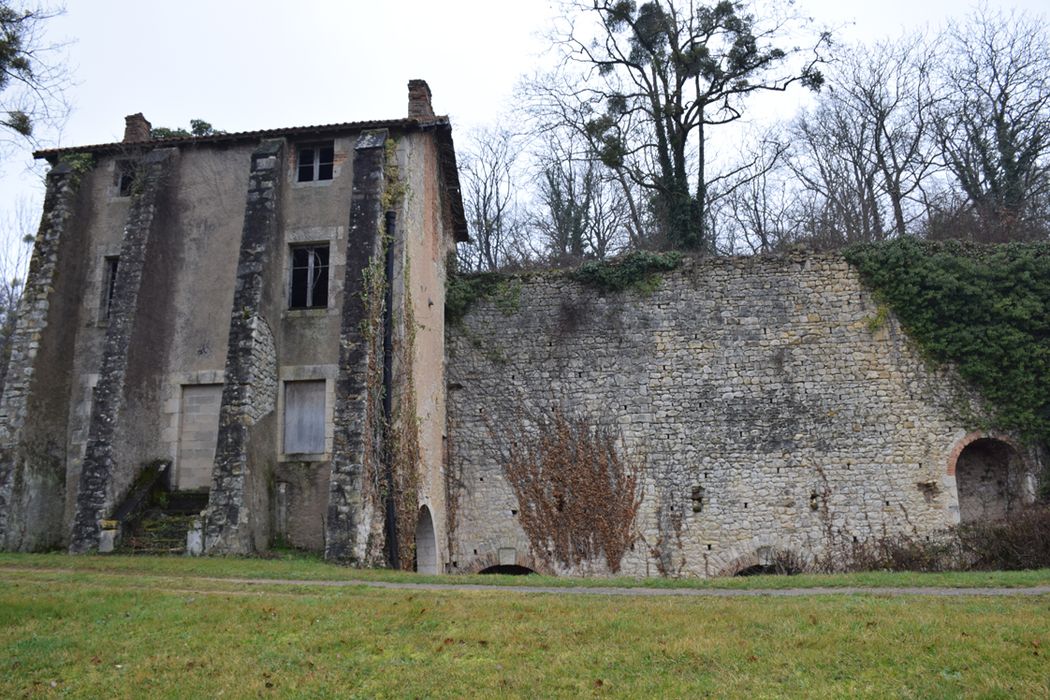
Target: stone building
x,y
252,325
235,316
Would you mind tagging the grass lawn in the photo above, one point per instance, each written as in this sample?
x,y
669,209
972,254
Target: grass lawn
x,y
92,631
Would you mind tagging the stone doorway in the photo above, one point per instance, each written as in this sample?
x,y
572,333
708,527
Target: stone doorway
x,y
426,543
989,478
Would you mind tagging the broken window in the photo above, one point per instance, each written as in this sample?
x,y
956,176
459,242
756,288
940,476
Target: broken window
x,y
304,417
109,283
316,161
125,177
309,283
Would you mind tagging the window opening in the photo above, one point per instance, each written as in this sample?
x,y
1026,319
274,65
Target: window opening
x,y
110,281
304,417
125,177
309,283
316,162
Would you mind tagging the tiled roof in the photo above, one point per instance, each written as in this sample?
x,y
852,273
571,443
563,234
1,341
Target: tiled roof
x,y
52,153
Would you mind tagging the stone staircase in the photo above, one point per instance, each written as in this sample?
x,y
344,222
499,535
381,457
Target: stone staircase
x,y
152,519
162,526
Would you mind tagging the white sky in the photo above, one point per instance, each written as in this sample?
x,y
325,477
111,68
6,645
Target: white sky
x,y
254,64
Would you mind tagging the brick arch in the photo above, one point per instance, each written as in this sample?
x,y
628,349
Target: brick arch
x,y
992,481
971,437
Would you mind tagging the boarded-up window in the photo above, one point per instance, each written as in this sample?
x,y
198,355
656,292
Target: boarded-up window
x,y
304,417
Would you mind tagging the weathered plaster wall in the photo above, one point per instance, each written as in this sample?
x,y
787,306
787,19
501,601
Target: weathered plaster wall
x,y
426,245
764,384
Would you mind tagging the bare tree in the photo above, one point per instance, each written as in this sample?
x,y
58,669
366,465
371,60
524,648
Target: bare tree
x,y
33,77
994,126
581,210
559,116
16,244
759,215
839,201
490,198
889,87
865,155
660,74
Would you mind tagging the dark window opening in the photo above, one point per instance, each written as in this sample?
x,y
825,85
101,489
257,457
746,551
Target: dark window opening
x,y
125,177
110,284
316,162
508,570
309,284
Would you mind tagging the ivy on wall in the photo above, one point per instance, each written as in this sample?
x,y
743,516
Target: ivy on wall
x,y
638,271
985,309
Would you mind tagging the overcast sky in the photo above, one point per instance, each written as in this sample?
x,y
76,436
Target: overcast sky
x,y
256,64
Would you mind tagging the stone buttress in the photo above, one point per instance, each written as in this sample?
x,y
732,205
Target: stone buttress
x,y
350,515
232,522
32,451
95,495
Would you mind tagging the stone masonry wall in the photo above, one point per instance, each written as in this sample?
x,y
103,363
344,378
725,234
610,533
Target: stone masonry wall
x,y
771,408
95,495
31,479
250,389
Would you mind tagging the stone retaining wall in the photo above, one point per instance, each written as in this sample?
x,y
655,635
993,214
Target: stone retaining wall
x,y
771,404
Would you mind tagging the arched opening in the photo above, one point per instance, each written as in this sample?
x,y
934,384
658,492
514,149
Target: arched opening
x,y
767,561
426,543
507,570
787,567
989,477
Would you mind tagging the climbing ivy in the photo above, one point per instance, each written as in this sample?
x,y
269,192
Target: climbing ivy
x,y
638,270
461,291
986,309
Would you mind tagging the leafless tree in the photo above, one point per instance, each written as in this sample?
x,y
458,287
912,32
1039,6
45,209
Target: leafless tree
x,y
33,77
16,244
490,190
581,210
865,155
994,126
660,73
759,214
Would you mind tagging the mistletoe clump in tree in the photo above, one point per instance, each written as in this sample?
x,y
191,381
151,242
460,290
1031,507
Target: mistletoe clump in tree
x,y
660,73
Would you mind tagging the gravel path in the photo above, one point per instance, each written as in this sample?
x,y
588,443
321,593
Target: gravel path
x,y
655,592
581,590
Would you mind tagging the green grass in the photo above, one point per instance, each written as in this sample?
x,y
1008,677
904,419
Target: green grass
x,y
297,565
85,632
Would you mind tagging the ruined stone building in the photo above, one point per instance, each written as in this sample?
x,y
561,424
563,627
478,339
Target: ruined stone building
x,y
254,324
249,308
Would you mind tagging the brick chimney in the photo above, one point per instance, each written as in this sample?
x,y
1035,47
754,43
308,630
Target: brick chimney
x,y
136,128
419,106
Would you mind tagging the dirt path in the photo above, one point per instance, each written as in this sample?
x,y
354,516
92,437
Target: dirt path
x,y
566,590
657,592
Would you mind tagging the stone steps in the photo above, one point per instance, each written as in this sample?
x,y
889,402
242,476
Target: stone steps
x,y
162,528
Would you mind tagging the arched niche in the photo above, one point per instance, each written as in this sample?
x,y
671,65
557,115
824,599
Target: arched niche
x,y
989,478
426,543
507,570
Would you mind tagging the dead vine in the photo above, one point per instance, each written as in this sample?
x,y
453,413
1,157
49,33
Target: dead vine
x,y
577,495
